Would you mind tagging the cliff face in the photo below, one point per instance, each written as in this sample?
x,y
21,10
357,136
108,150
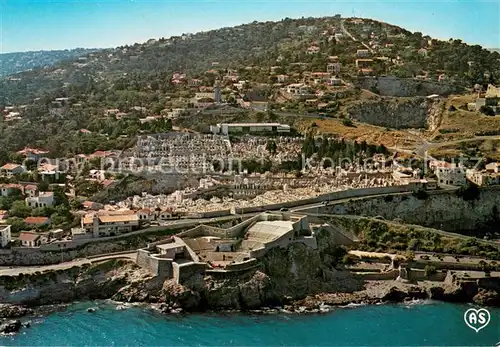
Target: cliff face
x,y
284,274
404,87
396,113
443,211
296,277
78,283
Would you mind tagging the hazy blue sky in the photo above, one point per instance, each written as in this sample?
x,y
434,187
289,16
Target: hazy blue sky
x,y
46,24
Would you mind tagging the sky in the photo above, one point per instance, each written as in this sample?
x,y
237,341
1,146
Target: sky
x,y
27,25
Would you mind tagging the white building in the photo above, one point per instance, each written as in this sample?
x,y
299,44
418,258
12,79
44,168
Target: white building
x,y
30,239
44,199
450,174
488,177
11,169
5,235
363,53
101,225
298,89
144,215
230,128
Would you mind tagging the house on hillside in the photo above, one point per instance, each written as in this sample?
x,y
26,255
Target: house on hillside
x,y
363,53
30,239
448,173
313,49
31,190
422,52
36,221
10,189
11,169
44,199
5,235
32,154
102,224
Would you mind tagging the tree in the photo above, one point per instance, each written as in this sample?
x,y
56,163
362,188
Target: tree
x,y
347,122
487,110
43,186
271,147
429,270
60,197
16,224
19,209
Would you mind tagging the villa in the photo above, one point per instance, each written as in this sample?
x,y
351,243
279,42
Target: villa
x,y
11,169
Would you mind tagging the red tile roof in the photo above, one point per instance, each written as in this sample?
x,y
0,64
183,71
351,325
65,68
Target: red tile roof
x,y
107,183
101,154
36,220
28,236
27,150
10,166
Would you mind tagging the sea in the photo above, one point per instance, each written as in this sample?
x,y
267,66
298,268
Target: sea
x,y
422,323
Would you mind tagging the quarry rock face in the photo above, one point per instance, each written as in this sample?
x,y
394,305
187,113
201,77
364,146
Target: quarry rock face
x,y
397,113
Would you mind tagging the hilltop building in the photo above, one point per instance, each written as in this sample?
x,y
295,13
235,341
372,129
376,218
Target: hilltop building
x,y
246,128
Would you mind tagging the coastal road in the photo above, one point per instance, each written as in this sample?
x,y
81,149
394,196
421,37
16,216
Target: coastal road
x,y
15,271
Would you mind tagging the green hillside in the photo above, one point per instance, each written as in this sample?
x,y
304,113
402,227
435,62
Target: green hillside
x,y
140,75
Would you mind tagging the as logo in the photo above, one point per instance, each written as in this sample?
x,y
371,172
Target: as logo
x,y
477,319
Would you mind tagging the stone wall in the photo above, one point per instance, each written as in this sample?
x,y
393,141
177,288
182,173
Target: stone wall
x,y
393,86
187,272
393,112
381,276
419,275
156,265
344,194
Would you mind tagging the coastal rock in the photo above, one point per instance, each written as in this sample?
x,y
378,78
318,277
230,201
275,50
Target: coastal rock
x,y
458,292
395,295
222,294
253,293
487,298
417,293
179,295
13,311
10,327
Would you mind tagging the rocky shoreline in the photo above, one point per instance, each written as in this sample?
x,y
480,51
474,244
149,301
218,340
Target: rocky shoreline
x,y
375,292
291,280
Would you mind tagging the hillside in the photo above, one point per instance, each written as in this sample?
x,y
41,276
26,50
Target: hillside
x,y
252,62
12,63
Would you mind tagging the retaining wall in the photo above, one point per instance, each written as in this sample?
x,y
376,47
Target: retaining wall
x,y
344,194
387,275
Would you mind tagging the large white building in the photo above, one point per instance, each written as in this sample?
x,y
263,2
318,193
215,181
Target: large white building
x,y
44,199
449,174
101,225
231,128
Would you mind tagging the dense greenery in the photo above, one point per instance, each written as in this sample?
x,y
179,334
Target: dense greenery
x,y
137,79
339,149
59,214
380,236
11,63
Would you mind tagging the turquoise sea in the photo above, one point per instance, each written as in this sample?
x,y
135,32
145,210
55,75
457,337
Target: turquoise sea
x,y
426,323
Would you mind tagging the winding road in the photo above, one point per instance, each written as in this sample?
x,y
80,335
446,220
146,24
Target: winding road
x,y
342,27
422,150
